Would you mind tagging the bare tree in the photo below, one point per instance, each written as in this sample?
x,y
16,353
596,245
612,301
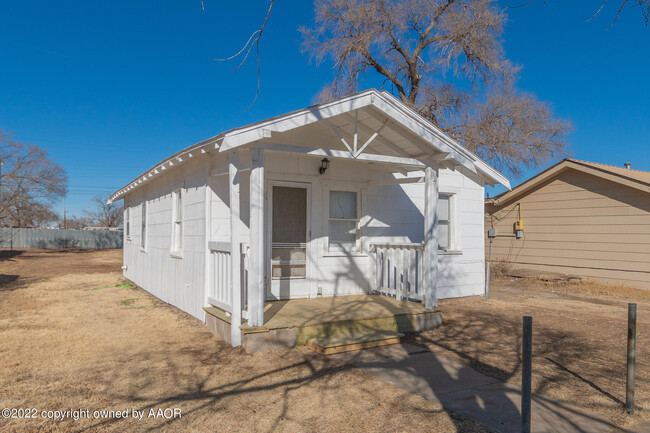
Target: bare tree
x,y
253,41
33,214
104,214
30,183
643,5
445,59
75,223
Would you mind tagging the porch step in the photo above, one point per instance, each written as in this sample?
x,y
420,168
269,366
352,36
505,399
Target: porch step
x,y
345,343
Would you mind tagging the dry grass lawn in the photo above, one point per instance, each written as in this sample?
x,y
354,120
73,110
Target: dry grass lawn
x,y
579,341
73,337
68,340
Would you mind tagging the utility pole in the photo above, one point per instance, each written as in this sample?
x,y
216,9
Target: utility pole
x,y
64,222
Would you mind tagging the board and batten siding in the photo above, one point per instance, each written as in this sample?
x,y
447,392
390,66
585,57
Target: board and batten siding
x,y
461,272
578,224
389,214
177,280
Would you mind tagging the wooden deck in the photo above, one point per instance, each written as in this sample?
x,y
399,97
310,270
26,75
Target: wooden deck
x,y
292,323
306,312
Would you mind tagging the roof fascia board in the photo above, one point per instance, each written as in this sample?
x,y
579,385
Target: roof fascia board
x,y
528,185
340,154
555,170
240,137
384,102
615,176
193,151
422,127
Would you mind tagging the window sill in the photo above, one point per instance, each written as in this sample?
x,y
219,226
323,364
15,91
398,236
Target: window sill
x,y
176,255
143,250
450,252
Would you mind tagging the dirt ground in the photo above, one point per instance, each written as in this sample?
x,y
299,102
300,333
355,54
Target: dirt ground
x,y
71,339
73,336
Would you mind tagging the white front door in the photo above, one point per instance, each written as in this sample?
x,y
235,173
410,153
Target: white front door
x,y
289,246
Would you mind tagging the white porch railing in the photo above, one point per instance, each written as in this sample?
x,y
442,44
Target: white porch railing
x,y
220,294
396,270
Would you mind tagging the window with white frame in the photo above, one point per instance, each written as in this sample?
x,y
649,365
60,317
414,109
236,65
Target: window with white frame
x,y
444,222
127,222
143,227
343,217
177,221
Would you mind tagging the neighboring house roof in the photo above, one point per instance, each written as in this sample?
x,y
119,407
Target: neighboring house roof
x,y
633,178
373,103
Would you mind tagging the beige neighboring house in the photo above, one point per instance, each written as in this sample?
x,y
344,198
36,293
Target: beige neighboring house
x,y
580,218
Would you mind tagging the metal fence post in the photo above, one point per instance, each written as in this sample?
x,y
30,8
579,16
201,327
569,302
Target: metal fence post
x,y
631,357
526,370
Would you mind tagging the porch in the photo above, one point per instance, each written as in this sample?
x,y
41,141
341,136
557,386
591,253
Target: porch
x,y
355,212
357,319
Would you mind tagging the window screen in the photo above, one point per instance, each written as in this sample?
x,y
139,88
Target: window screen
x,y
143,230
289,233
177,221
444,220
342,220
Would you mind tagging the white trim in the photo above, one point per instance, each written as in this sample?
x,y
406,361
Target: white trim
x,y
207,214
224,170
338,134
127,223
370,139
430,253
144,224
433,139
256,266
173,250
338,154
311,242
235,257
396,181
296,119
327,188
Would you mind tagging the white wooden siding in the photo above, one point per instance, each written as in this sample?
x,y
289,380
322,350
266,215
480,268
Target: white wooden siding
x,y
177,281
389,213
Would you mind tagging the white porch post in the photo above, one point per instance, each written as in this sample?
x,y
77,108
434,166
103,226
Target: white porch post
x,y
235,255
257,268
430,256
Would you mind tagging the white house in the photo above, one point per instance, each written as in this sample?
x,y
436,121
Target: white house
x,y
356,196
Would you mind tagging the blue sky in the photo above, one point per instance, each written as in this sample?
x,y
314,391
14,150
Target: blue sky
x,y
111,88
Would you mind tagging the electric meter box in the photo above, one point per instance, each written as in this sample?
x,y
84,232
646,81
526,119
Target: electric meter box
x,y
492,233
519,225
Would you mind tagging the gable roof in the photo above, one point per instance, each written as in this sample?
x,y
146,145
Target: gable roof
x,y
633,178
429,139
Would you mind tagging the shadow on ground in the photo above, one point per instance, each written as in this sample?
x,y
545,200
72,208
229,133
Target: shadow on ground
x,y
9,254
496,358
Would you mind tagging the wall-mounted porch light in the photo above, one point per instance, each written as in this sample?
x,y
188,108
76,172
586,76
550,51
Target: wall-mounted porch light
x,y
324,165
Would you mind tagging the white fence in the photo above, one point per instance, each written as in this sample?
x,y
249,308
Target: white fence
x,y
220,294
57,238
397,270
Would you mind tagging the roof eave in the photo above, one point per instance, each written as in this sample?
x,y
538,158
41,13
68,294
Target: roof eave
x,y
385,102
